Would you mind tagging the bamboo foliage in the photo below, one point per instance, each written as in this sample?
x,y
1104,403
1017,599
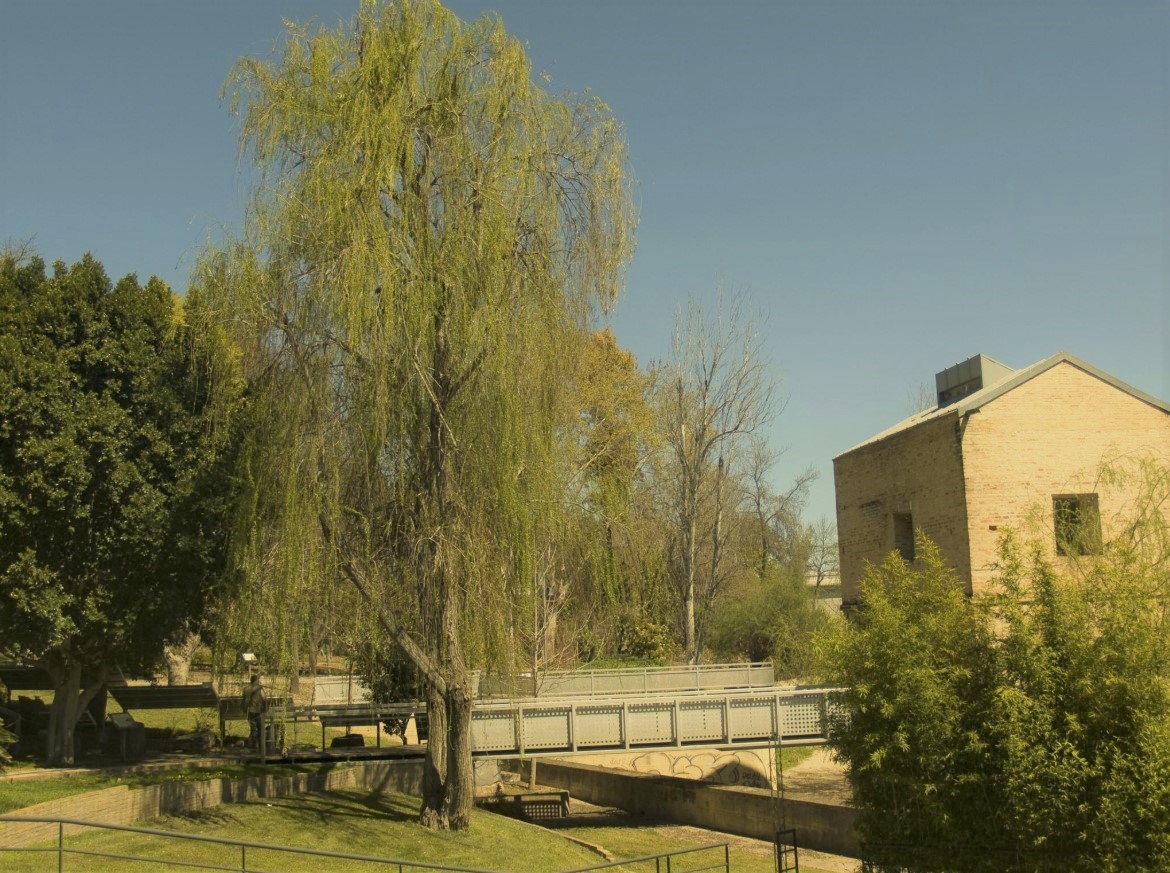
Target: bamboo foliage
x,y
430,234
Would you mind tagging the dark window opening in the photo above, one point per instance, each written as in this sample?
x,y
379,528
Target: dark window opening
x,y
904,535
1077,524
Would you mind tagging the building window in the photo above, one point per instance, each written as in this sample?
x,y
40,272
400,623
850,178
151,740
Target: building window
x,y
904,535
1076,523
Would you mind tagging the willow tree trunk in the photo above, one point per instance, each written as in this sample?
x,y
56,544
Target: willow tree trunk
x,y
460,773
433,812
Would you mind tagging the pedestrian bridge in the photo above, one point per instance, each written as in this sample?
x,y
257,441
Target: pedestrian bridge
x,y
723,718
726,706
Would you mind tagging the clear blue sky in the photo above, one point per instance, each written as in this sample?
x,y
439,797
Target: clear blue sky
x,y
896,185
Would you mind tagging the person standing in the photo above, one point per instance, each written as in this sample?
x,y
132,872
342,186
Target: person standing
x,y
254,706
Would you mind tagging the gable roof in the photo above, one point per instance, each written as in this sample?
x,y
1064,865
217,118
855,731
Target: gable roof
x,y
988,393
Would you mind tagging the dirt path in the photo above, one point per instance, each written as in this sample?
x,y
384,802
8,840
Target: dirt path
x,y
818,777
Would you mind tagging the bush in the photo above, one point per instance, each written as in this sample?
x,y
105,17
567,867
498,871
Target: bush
x,y
1026,730
645,640
774,620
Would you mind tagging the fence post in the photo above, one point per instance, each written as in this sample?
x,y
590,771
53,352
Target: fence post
x,y
243,859
727,857
60,846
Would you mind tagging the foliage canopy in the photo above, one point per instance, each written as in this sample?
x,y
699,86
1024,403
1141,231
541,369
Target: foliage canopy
x,y
111,496
1024,730
431,233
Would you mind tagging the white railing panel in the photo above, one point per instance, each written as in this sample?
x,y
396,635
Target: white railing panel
x,y
651,723
753,718
801,716
493,730
701,720
598,725
546,728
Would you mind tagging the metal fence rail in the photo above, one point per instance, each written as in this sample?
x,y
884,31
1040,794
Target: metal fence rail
x,y
61,850
679,861
647,680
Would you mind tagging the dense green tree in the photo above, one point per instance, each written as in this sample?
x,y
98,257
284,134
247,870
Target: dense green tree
x,y
771,619
1023,730
430,236
111,505
919,683
606,537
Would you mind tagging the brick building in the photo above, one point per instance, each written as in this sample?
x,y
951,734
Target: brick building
x,y
1002,449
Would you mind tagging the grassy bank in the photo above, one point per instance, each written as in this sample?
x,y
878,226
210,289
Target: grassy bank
x,y
384,826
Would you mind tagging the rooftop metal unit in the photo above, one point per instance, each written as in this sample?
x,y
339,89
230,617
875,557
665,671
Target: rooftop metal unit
x,y
974,374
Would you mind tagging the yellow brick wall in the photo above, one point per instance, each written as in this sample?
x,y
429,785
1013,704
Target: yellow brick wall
x,y
1049,436
918,471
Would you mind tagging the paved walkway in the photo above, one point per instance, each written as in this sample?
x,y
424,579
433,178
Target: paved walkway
x,y
582,814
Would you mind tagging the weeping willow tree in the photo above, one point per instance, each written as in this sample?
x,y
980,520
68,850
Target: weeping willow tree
x,y
430,233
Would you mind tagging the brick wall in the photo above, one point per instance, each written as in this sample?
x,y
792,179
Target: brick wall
x,y
1050,436
920,471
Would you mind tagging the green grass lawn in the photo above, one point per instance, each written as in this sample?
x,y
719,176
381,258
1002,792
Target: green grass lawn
x,y
790,756
384,826
351,822
19,793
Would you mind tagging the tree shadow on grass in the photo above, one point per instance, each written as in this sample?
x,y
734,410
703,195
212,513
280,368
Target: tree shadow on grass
x,y
216,816
347,805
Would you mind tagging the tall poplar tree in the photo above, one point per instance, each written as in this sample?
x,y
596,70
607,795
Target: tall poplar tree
x,y
430,233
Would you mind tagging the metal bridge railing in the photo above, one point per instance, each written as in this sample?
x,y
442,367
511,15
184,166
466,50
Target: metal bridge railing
x,y
625,680
680,861
565,725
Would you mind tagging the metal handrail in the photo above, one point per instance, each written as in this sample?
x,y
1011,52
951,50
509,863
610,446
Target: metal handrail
x,y
313,711
244,845
726,865
546,683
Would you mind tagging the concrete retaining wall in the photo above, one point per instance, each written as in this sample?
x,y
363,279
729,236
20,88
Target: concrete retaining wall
x,y
744,767
823,827
122,805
